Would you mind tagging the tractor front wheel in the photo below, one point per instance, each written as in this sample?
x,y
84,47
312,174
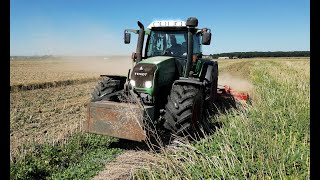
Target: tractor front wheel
x,y
104,87
184,110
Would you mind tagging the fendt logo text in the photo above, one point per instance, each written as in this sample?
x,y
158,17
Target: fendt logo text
x,y
140,74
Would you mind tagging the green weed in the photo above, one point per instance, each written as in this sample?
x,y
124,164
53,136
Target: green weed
x,y
80,158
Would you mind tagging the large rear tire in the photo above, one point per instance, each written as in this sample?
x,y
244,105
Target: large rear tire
x,y
104,87
184,110
214,86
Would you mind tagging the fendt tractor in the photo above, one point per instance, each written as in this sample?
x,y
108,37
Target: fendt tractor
x,y
169,83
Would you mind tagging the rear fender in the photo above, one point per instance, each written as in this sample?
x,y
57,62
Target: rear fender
x,y
207,69
114,77
193,81
122,79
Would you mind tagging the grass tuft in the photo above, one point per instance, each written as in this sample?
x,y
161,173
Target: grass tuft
x,y
83,155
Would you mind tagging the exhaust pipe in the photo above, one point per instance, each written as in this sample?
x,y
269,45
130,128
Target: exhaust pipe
x,y
191,23
140,42
190,53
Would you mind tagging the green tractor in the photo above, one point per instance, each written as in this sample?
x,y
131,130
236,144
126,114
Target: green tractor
x,y
169,83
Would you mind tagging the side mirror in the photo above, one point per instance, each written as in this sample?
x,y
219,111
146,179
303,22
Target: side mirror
x,y
206,38
127,37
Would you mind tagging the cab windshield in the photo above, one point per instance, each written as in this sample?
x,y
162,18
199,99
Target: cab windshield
x,y
167,43
171,43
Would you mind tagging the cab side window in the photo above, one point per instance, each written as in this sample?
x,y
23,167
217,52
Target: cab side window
x,y
196,44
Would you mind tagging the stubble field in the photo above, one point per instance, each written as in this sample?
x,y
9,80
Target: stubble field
x,y
51,112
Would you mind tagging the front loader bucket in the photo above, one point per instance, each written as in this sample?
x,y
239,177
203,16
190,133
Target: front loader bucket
x,y
122,120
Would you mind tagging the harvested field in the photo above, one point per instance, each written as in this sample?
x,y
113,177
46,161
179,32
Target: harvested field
x,y
54,107
34,74
47,115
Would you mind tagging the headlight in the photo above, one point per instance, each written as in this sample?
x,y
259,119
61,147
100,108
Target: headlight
x,y
133,82
148,84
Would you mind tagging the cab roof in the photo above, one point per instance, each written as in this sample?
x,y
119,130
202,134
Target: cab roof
x,y
167,24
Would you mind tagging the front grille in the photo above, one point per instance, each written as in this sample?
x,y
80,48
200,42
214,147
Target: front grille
x,y
142,73
140,82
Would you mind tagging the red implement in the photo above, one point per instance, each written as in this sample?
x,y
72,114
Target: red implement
x,y
226,92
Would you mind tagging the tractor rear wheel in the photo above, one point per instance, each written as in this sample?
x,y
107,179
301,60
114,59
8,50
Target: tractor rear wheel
x,y
104,87
214,86
184,110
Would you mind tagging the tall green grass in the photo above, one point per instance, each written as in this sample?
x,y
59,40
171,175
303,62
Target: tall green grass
x,y
81,157
269,139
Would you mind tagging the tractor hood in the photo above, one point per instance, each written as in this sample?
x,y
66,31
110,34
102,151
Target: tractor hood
x,y
145,72
156,60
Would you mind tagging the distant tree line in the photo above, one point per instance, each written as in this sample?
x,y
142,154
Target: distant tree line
x,y
32,57
262,54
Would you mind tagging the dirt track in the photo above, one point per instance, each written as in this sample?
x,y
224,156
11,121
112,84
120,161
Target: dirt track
x,y
123,166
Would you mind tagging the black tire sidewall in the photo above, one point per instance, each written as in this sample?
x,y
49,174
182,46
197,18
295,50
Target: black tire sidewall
x,y
174,119
98,92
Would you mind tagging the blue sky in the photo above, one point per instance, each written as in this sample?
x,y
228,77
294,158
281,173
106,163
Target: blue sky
x,y
95,27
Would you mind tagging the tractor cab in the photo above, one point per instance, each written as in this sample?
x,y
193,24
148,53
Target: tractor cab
x,y
170,38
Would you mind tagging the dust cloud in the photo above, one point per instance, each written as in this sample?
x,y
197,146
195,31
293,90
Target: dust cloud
x,y
110,65
236,82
